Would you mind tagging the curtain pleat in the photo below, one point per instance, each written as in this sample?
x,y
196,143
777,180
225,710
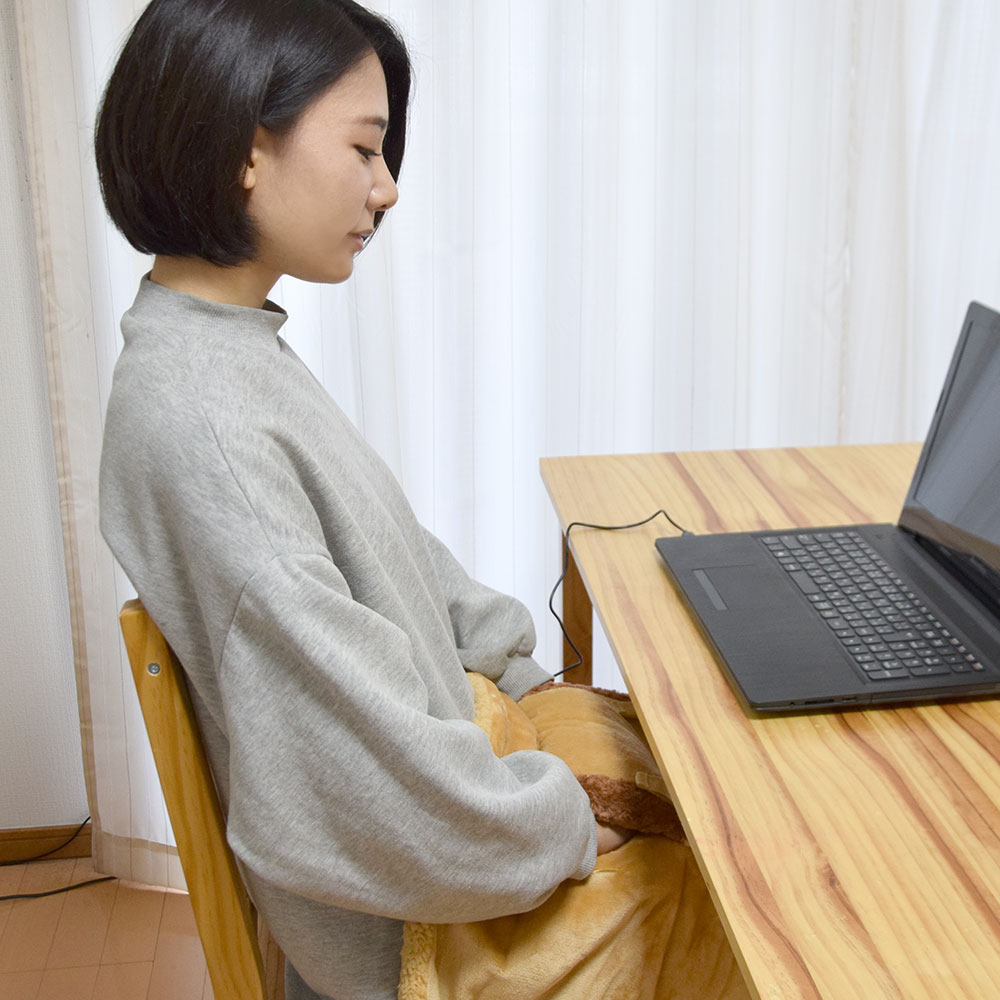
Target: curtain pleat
x,y
60,80
623,226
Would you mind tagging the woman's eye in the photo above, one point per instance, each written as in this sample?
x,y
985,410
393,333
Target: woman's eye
x,y
367,154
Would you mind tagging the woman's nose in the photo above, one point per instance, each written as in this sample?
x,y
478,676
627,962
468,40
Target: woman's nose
x,y
384,193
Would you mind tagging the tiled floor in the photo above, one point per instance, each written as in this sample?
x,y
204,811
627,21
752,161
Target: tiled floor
x,y
113,941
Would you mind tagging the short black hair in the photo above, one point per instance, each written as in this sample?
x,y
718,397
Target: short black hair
x,y
192,83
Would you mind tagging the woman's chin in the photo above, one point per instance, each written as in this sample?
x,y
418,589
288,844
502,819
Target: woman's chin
x,y
332,274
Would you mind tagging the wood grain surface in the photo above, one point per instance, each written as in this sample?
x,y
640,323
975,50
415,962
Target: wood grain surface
x,y
227,922
853,854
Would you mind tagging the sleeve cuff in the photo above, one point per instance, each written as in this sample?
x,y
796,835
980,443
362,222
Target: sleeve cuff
x,y
521,675
590,858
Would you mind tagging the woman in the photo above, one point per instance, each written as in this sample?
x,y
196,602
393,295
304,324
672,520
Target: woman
x,y
325,634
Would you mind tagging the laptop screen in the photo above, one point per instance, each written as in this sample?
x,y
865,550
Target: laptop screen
x,y
954,498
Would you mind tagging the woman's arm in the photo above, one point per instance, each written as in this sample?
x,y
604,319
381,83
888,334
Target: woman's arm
x,y
494,632
344,789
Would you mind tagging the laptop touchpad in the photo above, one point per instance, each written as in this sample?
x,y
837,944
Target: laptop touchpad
x,y
732,588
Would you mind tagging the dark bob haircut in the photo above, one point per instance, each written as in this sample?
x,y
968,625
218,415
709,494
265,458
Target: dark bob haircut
x,y
194,80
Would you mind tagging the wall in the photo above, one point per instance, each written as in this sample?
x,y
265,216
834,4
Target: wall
x,y
41,770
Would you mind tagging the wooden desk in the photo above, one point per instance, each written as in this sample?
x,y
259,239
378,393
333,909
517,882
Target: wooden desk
x,y
851,855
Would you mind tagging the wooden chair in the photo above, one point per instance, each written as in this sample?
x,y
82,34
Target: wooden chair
x,y
243,961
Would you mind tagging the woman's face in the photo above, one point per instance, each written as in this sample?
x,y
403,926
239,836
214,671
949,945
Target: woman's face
x,y
314,192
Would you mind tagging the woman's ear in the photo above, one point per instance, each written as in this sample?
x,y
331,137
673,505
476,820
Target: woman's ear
x,y
261,141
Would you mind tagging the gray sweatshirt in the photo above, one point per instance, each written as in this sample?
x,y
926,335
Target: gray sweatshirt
x,y
325,636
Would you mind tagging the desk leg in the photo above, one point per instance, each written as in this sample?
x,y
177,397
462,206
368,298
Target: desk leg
x,y
578,617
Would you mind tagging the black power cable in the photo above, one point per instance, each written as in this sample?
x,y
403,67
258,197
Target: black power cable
x,y
565,570
55,892
40,857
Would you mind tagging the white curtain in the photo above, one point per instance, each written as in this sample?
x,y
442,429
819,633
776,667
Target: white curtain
x,y
632,226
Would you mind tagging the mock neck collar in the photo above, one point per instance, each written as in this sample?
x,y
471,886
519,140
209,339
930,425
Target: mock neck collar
x,y
159,299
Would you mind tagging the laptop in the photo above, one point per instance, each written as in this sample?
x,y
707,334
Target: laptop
x,y
813,619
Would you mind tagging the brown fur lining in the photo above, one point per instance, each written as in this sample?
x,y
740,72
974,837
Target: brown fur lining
x,y
621,803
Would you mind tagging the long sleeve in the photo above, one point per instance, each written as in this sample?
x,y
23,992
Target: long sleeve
x,y
494,632
384,808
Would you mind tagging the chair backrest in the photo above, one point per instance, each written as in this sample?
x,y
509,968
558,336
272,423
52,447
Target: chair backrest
x,y
227,921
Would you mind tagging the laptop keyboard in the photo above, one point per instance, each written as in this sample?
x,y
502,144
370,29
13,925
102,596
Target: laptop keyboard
x,y
880,621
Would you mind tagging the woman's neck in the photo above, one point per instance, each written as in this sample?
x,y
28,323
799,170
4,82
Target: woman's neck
x,y
243,285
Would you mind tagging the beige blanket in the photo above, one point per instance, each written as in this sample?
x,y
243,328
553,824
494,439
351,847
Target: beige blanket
x,y
641,927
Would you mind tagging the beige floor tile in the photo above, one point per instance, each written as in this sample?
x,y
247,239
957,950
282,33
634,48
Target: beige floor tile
x,y
40,876
10,878
28,933
5,909
10,881
134,924
123,982
83,870
68,984
179,965
19,985
83,926
113,941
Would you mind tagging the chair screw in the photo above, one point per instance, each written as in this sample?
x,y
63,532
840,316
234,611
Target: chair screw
x,y
153,668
